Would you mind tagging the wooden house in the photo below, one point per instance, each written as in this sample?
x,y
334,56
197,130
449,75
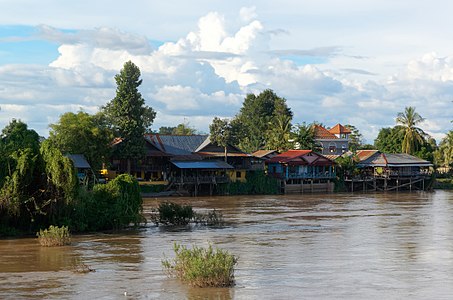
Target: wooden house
x,y
302,170
83,169
191,159
389,171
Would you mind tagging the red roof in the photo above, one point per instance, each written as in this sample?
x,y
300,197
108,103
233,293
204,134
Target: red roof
x,y
288,156
322,133
339,129
301,157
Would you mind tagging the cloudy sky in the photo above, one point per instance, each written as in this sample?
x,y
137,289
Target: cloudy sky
x,y
351,61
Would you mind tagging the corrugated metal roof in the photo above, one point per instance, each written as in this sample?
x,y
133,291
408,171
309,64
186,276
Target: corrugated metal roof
x,y
79,161
394,160
202,164
177,144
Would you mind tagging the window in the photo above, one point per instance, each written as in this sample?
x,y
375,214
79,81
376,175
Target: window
x,y
238,174
344,148
332,148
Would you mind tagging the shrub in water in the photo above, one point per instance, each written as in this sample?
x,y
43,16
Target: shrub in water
x,y
175,214
202,267
54,236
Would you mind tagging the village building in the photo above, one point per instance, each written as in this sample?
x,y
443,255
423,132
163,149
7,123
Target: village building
x,y
302,171
389,171
190,162
83,169
334,141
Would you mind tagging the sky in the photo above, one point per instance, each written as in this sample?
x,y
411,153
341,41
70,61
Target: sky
x,y
358,62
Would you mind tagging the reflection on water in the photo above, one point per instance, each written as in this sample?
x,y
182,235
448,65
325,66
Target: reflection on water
x,y
337,246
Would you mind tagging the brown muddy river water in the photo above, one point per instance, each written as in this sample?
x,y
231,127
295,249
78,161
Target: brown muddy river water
x,y
335,246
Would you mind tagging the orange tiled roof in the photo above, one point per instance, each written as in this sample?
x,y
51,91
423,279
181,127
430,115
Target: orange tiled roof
x,y
365,154
339,129
322,133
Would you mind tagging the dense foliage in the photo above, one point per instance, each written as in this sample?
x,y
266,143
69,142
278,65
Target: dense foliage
x,y
169,213
390,139
37,179
114,205
304,137
257,183
221,133
180,129
444,156
174,214
355,138
128,115
82,133
39,188
202,267
256,120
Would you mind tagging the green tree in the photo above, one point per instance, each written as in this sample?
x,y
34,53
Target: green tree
x,y
255,120
444,155
128,114
15,137
183,129
355,138
390,139
220,133
413,136
82,133
278,134
166,130
39,179
304,136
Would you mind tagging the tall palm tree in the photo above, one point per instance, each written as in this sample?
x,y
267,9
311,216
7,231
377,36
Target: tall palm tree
x,y
413,136
446,150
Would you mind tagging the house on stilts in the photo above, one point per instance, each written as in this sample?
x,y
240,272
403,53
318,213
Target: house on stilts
x,y
301,171
189,164
388,171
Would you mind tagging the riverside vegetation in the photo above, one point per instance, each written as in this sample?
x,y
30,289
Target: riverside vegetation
x,y
54,236
201,267
169,213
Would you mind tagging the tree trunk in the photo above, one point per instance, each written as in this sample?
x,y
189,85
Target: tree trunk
x,y
226,154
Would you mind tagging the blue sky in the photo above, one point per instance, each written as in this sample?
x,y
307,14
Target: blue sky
x,y
21,45
356,62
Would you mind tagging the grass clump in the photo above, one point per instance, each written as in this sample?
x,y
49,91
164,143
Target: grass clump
x,y
54,236
202,267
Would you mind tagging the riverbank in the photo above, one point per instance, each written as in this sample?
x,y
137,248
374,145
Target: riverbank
x,y
443,184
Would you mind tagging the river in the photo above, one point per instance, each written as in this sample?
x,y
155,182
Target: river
x,y
330,246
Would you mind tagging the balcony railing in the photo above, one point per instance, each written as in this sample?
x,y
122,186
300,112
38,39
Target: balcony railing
x,y
199,179
319,175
